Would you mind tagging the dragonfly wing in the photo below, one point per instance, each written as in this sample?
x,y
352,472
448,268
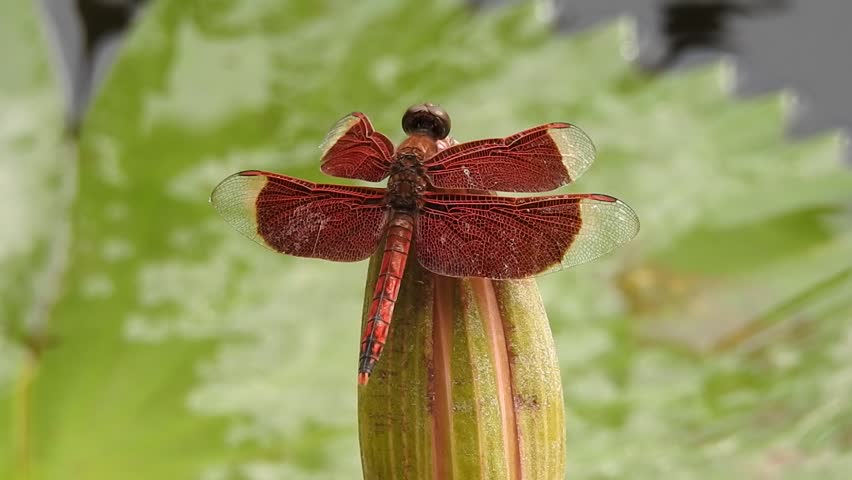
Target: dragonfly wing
x,y
300,218
501,237
536,160
353,149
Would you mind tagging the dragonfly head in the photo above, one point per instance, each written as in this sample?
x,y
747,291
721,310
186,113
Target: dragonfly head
x,y
427,118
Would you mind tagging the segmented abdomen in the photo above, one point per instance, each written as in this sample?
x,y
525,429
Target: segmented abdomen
x,y
397,243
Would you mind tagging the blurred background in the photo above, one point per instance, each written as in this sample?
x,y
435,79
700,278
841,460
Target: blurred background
x,y
140,337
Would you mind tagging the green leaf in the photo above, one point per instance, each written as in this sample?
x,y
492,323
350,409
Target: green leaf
x,y
714,346
37,181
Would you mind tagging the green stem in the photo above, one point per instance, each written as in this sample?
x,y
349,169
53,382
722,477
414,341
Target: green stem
x,y
442,413
492,320
468,386
22,415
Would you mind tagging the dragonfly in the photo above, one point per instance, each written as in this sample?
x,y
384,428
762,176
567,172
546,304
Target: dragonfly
x,y
438,200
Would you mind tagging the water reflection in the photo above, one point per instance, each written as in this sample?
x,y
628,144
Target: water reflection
x,y
87,35
689,26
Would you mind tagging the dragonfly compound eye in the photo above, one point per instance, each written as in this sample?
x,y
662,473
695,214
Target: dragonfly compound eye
x,y
427,118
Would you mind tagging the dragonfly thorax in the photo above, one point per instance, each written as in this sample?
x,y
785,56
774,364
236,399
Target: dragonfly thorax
x,y
407,181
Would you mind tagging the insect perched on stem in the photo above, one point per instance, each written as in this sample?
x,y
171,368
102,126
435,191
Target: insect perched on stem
x,y
455,233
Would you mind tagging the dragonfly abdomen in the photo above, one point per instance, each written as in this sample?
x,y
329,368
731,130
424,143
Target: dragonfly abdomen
x,y
397,244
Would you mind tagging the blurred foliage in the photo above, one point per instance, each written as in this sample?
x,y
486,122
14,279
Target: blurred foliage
x,y
717,345
33,167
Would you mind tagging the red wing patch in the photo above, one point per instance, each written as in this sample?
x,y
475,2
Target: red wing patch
x,y
301,218
535,160
353,149
502,237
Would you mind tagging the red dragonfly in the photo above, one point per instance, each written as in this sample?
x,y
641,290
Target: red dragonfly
x,y
437,196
